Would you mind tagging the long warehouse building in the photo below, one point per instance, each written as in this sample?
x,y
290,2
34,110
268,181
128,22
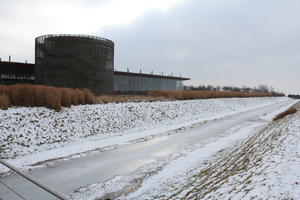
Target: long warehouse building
x,y
123,82
82,61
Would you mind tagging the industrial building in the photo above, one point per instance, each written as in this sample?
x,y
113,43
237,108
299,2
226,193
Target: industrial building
x,y
75,61
81,61
14,73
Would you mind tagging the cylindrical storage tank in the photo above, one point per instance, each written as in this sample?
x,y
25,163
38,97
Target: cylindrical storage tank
x,y
75,61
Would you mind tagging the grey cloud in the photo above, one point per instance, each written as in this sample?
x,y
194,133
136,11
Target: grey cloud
x,y
229,42
232,42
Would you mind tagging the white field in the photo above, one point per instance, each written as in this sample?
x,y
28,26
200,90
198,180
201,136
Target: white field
x,y
32,135
264,164
267,156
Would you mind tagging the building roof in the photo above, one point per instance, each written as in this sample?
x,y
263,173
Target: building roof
x,y
28,68
42,37
149,75
16,68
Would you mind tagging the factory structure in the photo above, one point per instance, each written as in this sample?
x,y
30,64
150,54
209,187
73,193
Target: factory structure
x,y
82,61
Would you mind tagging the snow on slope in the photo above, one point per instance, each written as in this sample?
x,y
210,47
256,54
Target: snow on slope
x,y
30,135
265,166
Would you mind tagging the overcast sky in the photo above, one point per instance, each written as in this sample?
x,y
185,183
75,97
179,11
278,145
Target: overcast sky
x,y
217,42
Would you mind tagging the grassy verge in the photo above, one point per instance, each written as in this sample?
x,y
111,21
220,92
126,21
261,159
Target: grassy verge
x,y
128,98
184,95
289,111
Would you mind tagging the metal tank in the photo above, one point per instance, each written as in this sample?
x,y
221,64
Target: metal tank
x,y
75,61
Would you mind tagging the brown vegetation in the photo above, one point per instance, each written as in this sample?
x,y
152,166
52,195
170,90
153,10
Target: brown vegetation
x,y
39,95
4,102
184,95
162,95
66,97
127,98
89,97
289,111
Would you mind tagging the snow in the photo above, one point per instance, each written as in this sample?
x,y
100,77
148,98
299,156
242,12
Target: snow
x,y
32,135
258,163
180,170
254,160
278,175
175,168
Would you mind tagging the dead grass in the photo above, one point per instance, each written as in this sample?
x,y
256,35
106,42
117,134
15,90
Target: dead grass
x,y
243,161
289,111
163,95
4,89
89,96
46,96
81,96
53,98
185,95
4,101
128,98
66,97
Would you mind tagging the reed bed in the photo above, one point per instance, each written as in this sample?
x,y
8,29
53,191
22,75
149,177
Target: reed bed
x,y
289,111
185,95
127,98
43,96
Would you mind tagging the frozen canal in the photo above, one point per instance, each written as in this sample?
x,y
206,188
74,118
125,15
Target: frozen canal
x,y
67,176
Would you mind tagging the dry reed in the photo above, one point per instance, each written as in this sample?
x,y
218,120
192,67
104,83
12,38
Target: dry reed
x,y
185,95
4,89
40,95
81,96
289,111
4,101
89,96
74,97
53,98
127,98
66,97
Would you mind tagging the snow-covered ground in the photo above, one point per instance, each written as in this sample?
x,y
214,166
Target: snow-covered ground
x,y
33,135
256,160
264,166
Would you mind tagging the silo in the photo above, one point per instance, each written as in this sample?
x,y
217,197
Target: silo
x,y
75,61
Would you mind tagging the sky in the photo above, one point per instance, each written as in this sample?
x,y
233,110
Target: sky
x,y
216,42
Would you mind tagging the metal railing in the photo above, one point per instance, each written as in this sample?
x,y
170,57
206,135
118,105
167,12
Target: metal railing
x,y
41,38
35,181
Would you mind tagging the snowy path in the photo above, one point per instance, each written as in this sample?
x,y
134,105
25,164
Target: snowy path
x,y
99,167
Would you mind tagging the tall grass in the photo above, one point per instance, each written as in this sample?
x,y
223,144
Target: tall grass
x,y
185,95
4,102
66,97
289,111
46,96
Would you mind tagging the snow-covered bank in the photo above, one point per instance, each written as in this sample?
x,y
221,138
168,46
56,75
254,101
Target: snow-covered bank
x,y
158,178
181,170
31,135
265,166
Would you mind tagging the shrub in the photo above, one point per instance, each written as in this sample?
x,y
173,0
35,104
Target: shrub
x,y
89,96
66,99
15,95
40,95
26,95
4,90
74,97
81,97
53,98
289,111
4,101
184,95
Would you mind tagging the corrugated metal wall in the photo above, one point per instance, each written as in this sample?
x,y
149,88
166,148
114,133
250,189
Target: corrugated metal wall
x,y
13,73
75,61
124,83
